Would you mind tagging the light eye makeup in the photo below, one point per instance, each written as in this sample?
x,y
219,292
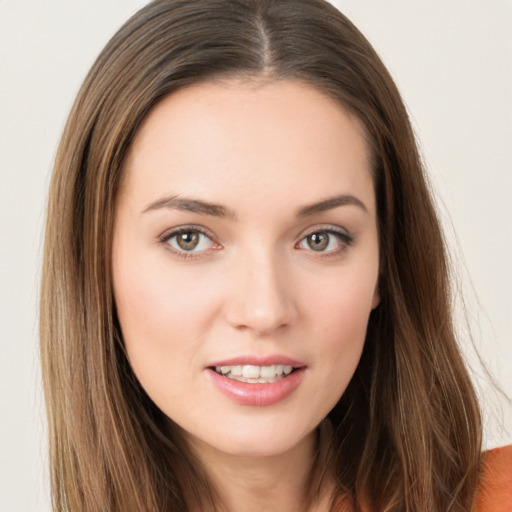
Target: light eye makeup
x,y
188,241
326,241
194,241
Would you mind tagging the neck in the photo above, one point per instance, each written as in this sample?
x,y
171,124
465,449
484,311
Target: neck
x,y
271,483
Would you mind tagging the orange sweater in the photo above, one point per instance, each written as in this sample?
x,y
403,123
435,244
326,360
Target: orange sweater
x,y
495,491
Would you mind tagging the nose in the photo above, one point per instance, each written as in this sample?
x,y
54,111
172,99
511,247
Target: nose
x,y
261,298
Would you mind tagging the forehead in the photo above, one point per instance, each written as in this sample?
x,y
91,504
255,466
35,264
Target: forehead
x,y
248,138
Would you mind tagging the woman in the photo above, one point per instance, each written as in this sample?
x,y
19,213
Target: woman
x,y
245,301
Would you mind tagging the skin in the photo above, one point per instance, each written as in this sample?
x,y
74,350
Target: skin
x,y
255,285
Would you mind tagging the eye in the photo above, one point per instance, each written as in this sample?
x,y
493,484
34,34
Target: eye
x,y
187,240
326,241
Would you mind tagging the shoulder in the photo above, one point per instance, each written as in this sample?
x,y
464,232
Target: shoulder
x,y
495,489
494,492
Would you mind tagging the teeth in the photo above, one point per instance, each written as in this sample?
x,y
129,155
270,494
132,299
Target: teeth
x,y
255,374
266,372
236,370
251,372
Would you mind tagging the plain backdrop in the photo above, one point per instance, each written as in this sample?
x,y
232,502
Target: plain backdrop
x,y
452,60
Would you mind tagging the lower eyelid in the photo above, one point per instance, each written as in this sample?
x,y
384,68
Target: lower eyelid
x,y
344,241
200,242
166,238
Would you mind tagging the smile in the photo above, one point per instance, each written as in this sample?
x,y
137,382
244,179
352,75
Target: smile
x,y
253,374
257,381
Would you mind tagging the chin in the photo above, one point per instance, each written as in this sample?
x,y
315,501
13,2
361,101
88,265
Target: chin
x,y
270,442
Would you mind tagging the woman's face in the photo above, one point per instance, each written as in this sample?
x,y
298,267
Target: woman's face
x,y
245,260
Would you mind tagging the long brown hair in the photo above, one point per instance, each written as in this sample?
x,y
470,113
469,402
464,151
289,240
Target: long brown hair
x,y
406,433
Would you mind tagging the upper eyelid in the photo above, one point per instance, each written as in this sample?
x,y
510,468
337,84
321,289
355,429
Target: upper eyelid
x,y
345,238
169,233
166,236
330,228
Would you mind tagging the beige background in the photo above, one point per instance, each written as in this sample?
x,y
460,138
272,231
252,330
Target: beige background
x,y
453,63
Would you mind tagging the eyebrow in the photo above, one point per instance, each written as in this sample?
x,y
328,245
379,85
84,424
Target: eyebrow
x,y
330,203
217,210
191,205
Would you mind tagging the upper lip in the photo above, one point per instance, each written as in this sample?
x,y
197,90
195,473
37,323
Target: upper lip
x,y
258,361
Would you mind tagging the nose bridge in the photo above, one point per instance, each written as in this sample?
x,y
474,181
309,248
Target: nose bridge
x,y
262,299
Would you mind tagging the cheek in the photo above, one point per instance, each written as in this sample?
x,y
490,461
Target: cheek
x,y
338,317
154,296
341,336
163,316
340,305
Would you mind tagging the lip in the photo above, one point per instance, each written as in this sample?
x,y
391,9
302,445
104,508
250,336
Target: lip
x,y
245,393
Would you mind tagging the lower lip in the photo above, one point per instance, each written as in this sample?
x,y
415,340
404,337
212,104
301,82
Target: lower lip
x,y
257,394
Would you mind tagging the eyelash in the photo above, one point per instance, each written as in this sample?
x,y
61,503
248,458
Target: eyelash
x,y
344,238
345,241
167,236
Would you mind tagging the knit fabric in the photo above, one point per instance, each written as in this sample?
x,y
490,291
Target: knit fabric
x,y
495,490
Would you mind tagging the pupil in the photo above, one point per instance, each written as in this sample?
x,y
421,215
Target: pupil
x,y
188,241
318,241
